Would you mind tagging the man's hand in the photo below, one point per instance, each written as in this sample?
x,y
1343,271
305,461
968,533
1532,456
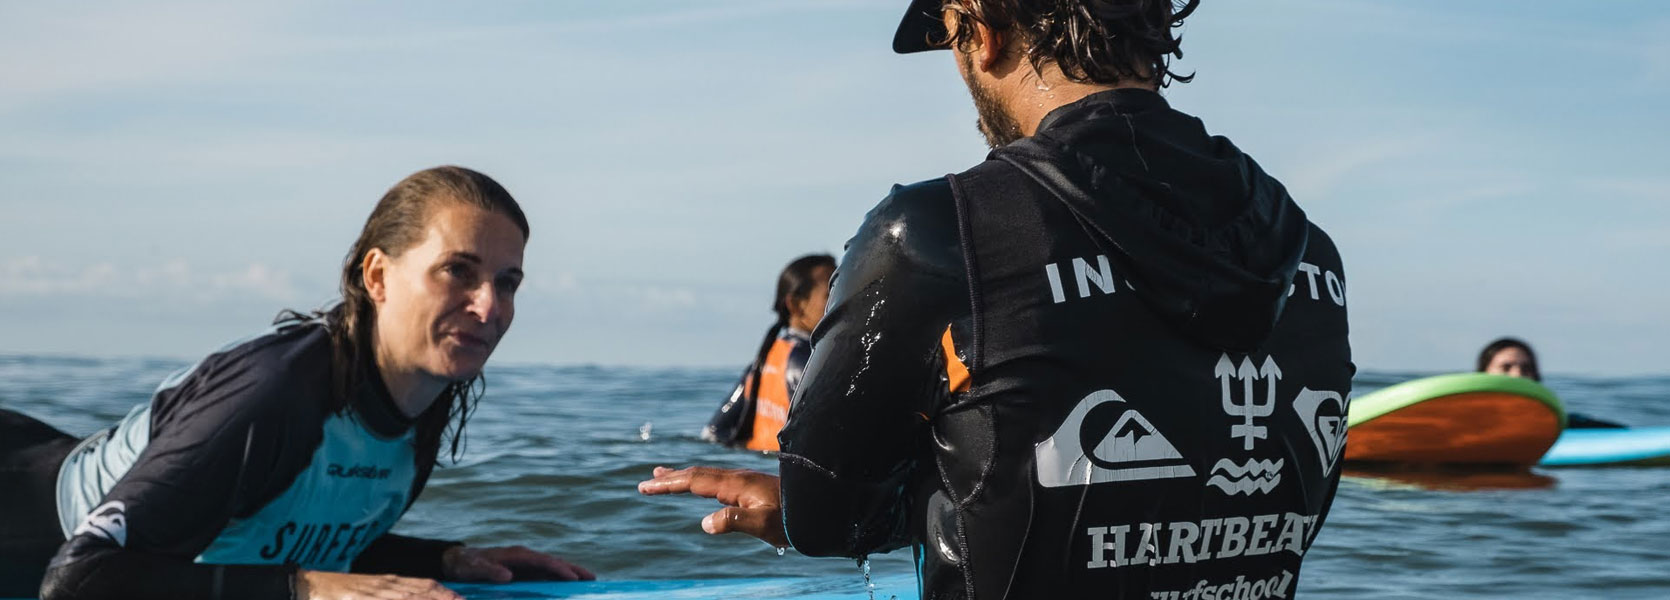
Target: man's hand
x,y
504,564
325,585
753,503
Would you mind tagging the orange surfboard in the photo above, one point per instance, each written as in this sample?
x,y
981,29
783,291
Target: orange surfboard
x,y
1468,418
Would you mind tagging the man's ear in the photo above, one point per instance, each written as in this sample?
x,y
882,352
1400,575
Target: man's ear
x,y
991,46
373,273
987,43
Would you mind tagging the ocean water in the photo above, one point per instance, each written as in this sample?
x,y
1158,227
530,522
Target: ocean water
x,y
554,454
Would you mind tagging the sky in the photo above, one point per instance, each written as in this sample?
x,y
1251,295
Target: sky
x,y
173,174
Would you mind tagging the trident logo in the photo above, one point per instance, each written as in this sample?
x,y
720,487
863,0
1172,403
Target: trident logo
x,y
1251,408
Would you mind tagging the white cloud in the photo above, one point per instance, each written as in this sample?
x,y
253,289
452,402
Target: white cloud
x,y
258,280
32,276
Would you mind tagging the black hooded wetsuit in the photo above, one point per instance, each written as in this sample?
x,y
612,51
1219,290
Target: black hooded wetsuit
x,y
233,477
1110,361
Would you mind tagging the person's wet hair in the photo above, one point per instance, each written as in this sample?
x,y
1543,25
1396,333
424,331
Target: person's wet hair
x,y
794,283
1490,350
1092,41
397,224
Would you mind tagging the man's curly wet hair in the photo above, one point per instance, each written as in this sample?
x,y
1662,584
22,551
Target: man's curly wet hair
x,y
1092,41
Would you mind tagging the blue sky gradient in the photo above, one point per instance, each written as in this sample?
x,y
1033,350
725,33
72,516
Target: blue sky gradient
x,y
177,172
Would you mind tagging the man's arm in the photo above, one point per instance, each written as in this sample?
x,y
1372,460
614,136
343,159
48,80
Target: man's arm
x,y
859,421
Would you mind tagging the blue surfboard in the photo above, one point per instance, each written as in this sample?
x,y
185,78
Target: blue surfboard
x,y
1598,447
892,587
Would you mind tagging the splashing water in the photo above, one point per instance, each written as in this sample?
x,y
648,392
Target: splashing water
x,y
869,586
643,430
782,550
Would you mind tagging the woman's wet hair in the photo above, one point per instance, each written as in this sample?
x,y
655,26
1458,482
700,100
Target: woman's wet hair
x,y
1092,41
398,223
795,283
1490,350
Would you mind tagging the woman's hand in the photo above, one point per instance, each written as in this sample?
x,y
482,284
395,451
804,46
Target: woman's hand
x,y
504,564
325,585
753,502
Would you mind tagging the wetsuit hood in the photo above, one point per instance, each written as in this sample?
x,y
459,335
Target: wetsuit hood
x,y
1201,233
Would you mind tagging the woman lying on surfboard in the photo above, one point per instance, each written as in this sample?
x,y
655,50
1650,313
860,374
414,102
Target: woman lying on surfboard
x,y
275,467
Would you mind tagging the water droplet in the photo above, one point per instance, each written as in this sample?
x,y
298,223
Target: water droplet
x,y
643,430
782,550
869,586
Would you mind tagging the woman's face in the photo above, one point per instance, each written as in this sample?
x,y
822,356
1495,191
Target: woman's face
x,y
443,304
805,313
1511,361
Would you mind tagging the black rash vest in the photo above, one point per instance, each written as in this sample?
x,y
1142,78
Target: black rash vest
x,y
1110,361
234,476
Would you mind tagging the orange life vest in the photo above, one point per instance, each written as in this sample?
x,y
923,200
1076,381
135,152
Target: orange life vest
x,y
771,406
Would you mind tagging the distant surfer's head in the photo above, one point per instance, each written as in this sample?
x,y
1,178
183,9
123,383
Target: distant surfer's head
x,y
803,291
1509,356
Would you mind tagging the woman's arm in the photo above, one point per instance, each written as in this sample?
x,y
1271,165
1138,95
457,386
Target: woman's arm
x,y
215,445
223,440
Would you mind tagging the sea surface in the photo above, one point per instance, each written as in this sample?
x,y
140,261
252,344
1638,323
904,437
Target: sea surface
x,y
554,454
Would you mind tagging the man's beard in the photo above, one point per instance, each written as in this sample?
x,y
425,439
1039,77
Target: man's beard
x,y
999,127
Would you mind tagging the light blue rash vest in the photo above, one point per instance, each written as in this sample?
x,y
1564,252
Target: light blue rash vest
x,y
203,469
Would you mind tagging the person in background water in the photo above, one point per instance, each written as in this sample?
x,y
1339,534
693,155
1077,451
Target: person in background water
x,y
1110,361
274,468
1513,357
756,410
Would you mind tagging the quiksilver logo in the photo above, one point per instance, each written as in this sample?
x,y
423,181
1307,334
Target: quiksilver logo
x,y
1104,440
109,521
357,471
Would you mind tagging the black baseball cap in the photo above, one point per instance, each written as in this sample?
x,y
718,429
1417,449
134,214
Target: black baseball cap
x,y
923,24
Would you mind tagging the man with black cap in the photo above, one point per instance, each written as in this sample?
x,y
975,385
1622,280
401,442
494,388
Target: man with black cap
x,y
1109,361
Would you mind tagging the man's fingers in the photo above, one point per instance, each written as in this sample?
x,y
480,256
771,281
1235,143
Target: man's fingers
x,y
763,523
666,481
706,482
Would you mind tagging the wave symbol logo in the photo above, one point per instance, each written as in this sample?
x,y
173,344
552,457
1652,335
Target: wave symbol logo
x,y
1255,477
